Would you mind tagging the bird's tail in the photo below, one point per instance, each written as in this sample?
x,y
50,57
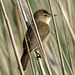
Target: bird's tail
x,y
24,59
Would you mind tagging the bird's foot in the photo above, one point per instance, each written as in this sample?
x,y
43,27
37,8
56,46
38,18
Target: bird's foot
x,y
37,54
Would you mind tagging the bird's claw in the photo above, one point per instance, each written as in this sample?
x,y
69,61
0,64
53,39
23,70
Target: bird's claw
x,y
37,54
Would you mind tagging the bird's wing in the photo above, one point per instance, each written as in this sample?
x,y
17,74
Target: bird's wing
x,y
44,31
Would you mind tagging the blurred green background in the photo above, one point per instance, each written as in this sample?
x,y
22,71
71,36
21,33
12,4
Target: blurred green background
x,y
8,63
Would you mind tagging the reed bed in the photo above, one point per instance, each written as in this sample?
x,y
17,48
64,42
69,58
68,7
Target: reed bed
x,y
58,57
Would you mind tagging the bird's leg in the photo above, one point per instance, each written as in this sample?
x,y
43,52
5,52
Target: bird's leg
x,y
37,54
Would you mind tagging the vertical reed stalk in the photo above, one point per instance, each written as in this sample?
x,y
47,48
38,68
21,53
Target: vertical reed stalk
x,y
11,37
57,39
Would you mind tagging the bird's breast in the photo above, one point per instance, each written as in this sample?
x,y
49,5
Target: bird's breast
x,y
44,32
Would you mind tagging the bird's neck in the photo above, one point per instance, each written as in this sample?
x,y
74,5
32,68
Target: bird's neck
x,y
47,21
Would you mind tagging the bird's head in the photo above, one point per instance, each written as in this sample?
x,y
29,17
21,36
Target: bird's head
x,y
43,15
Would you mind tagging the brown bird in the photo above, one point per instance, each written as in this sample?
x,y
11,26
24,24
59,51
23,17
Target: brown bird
x,y
42,19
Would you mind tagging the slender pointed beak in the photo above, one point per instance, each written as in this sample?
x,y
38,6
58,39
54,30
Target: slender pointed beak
x,y
55,15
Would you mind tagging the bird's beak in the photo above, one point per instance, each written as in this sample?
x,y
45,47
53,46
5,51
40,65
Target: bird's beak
x,y
55,15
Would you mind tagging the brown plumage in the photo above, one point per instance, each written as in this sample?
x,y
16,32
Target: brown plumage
x,y
42,18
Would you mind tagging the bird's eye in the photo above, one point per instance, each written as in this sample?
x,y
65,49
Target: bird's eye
x,y
45,14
